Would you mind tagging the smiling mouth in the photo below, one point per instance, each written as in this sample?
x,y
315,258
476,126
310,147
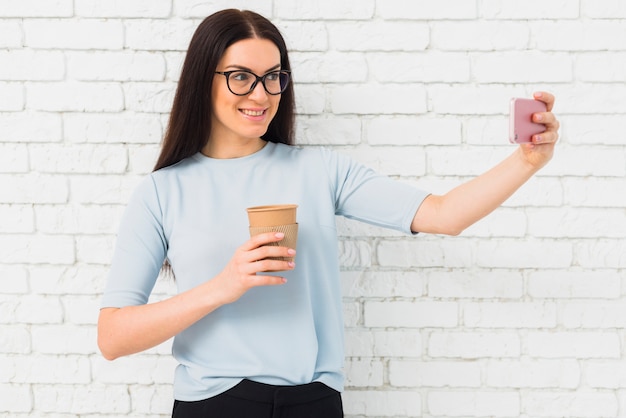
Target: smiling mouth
x,y
252,112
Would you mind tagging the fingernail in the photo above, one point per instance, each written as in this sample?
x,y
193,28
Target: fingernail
x,y
291,264
538,138
538,118
280,235
291,251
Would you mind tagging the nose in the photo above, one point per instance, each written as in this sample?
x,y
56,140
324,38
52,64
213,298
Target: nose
x,y
258,92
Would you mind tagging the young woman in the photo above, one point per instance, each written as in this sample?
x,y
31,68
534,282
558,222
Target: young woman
x,y
260,337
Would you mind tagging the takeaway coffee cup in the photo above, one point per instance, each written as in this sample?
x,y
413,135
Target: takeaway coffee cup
x,y
275,218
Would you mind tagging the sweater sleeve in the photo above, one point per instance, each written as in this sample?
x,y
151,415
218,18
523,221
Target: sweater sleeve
x,y
140,250
364,195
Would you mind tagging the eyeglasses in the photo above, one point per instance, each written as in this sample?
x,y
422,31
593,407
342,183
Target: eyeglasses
x,y
242,82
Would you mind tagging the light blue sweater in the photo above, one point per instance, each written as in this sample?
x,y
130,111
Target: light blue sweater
x,y
193,213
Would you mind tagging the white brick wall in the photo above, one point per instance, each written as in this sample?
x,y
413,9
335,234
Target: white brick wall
x,y
523,315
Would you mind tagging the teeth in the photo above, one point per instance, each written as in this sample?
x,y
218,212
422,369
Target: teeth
x,y
252,112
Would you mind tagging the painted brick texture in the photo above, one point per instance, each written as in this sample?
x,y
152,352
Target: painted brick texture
x,y
522,315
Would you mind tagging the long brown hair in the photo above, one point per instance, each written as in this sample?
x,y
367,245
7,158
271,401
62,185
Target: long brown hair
x,y
190,122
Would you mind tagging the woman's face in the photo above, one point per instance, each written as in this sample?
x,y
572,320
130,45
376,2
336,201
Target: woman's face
x,y
243,118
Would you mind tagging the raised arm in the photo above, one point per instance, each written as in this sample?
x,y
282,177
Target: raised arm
x,y
464,205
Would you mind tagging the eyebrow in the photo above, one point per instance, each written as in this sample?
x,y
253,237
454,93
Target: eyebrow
x,y
241,67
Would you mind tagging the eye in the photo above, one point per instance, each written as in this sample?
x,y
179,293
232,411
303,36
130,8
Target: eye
x,y
240,76
272,76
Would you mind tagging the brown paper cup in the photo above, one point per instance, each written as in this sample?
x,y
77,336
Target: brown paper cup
x,y
272,215
290,240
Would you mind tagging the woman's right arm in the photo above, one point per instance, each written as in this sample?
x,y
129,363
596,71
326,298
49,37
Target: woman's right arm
x,y
131,329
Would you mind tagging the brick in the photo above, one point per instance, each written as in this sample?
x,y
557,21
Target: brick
x,y
527,373
412,130
30,127
95,249
501,284
82,399
123,8
579,36
139,369
96,189
582,345
159,35
595,192
574,284
525,254
607,253
501,223
16,398
600,99
13,158
364,372
36,8
328,130
21,217
423,252
378,36
33,188
466,99
351,313
355,254
38,309
152,399
582,404
201,8
436,374
149,97
479,36
410,314
426,10
430,67
592,129
115,66
63,339
510,315
605,374
310,100
603,9
378,99
326,9
387,343
67,280
392,161
522,67
141,159
29,65
577,223
54,249
14,338
383,403
173,65
78,219
116,128
538,191
600,67
78,310
304,36
74,34
52,369
75,97
533,9
462,161
80,158
593,314
382,284
10,33
328,67
456,403
16,280
12,97
474,345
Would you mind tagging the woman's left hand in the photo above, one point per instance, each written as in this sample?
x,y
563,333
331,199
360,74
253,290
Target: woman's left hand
x,y
540,150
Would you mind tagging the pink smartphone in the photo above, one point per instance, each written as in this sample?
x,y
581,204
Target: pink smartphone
x,y
521,126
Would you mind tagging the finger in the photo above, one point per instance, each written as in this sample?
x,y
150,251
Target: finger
x,y
266,280
547,137
271,251
268,264
546,118
545,97
261,240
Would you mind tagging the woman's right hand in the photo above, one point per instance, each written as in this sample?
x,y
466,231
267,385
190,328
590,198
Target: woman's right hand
x,y
240,274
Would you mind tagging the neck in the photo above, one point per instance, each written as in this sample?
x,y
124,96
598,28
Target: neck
x,y
215,149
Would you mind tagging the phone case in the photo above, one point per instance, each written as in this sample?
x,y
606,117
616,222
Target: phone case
x,y
521,126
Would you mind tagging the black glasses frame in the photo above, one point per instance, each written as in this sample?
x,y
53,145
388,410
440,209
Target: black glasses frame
x,y
255,82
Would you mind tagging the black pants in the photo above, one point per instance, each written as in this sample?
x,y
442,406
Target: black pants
x,y
258,400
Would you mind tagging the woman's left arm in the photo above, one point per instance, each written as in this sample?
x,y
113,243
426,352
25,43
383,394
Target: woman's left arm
x,y
456,210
